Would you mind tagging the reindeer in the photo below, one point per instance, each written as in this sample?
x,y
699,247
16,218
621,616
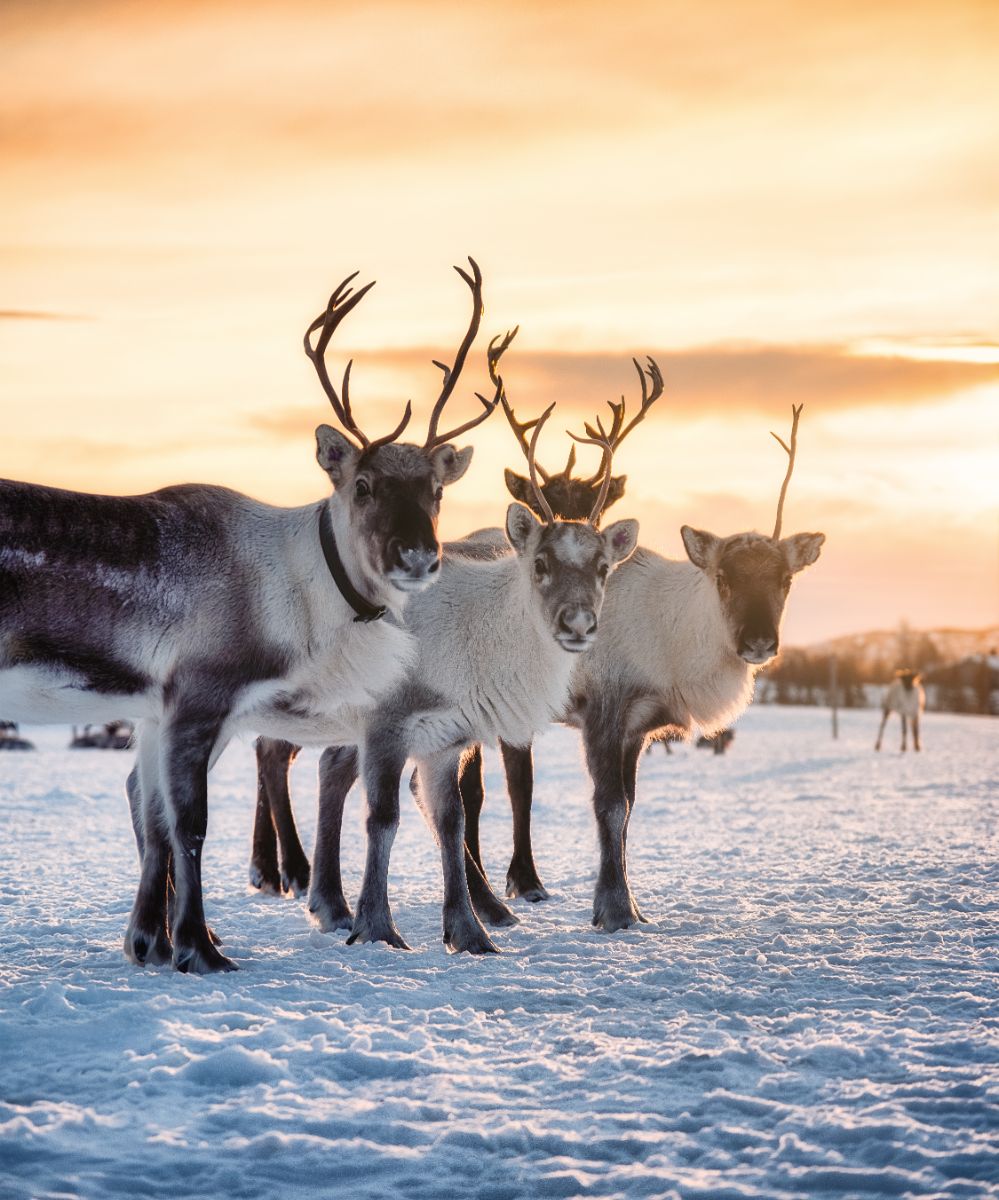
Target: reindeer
x,y
203,612
497,639
680,646
906,697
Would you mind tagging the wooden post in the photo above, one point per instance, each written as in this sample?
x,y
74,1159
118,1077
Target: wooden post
x,y
834,693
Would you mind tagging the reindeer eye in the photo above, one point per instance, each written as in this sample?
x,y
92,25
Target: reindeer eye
x,y
439,494
602,571
362,489
540,567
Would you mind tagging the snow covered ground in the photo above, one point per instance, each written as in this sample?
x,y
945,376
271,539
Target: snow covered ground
x,y
813,1011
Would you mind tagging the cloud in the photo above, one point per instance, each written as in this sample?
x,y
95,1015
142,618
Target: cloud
x,y
27,314
702,382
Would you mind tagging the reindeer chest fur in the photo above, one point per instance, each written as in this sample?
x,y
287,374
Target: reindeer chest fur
x,y
494,670
662,651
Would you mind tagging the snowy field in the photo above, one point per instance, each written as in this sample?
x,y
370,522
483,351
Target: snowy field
x,y
812,1013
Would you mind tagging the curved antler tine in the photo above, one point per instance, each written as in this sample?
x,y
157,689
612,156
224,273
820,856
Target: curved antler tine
x,y
395,434
570,462
520,428
488,406
543,505
451,374
791,451
340,303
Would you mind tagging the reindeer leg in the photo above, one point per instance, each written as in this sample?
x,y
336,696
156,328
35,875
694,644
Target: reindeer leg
x,y
915,733
264,873
337,775
881,729
146,939
472,797
522,878
614,906
488,906
274,827
905,727
189,740
384,761
439,798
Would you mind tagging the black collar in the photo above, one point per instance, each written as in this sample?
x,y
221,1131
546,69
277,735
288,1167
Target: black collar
x,y
366,611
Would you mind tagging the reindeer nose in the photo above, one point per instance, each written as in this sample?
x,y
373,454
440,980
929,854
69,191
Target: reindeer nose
x,y
758,649
577,621
415,560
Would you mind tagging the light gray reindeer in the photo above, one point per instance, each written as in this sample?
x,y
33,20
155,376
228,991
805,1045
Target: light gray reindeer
x,y
497,637
906,697
680,645
203,612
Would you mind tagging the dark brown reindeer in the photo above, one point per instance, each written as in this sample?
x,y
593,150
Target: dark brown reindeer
x,y
203,612
680,645
569,498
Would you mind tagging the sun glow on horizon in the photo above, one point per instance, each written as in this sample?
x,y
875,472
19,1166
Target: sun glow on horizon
x,y
807,217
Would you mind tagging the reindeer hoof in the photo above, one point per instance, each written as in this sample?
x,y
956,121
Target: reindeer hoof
x,y
201,959
264,881
331,914
524,884
468,937
613,911
147,947
295,880
376,929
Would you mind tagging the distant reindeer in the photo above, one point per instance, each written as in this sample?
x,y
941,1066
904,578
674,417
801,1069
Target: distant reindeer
x,y
906,697
204,612
497,639
680,645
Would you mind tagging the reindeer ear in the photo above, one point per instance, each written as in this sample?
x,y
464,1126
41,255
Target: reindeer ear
x,y
621,539
519,487
334,453
802,549
700,546
450,464
520,524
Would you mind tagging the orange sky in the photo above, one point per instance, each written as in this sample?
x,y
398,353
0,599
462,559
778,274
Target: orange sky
x,y
783,202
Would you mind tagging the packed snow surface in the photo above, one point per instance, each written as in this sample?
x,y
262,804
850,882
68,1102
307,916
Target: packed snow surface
x,y
811,1013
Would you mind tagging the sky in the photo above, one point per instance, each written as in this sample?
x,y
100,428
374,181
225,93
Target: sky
x,y
782,203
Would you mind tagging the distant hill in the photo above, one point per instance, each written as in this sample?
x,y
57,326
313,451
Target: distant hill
x,y
911,647
960,669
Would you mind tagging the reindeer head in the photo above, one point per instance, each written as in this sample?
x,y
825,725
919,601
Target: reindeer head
x,y
393,489
566,495
567,563
752,572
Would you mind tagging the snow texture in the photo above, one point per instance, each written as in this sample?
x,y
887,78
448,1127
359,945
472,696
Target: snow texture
x,y
812,1013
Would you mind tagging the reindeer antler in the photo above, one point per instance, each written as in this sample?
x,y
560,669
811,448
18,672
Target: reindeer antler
x,y
610,439
599,438
791,450
451,373
340,304
532,451
617,434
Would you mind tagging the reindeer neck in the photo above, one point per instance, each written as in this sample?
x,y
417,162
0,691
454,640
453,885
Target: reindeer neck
x,y
368,584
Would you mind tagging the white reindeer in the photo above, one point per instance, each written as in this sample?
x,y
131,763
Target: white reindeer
x,y
906,697
204,612
497,640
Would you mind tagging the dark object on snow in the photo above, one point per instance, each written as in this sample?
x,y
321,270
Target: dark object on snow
x,y
719,743
115,735
9,739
